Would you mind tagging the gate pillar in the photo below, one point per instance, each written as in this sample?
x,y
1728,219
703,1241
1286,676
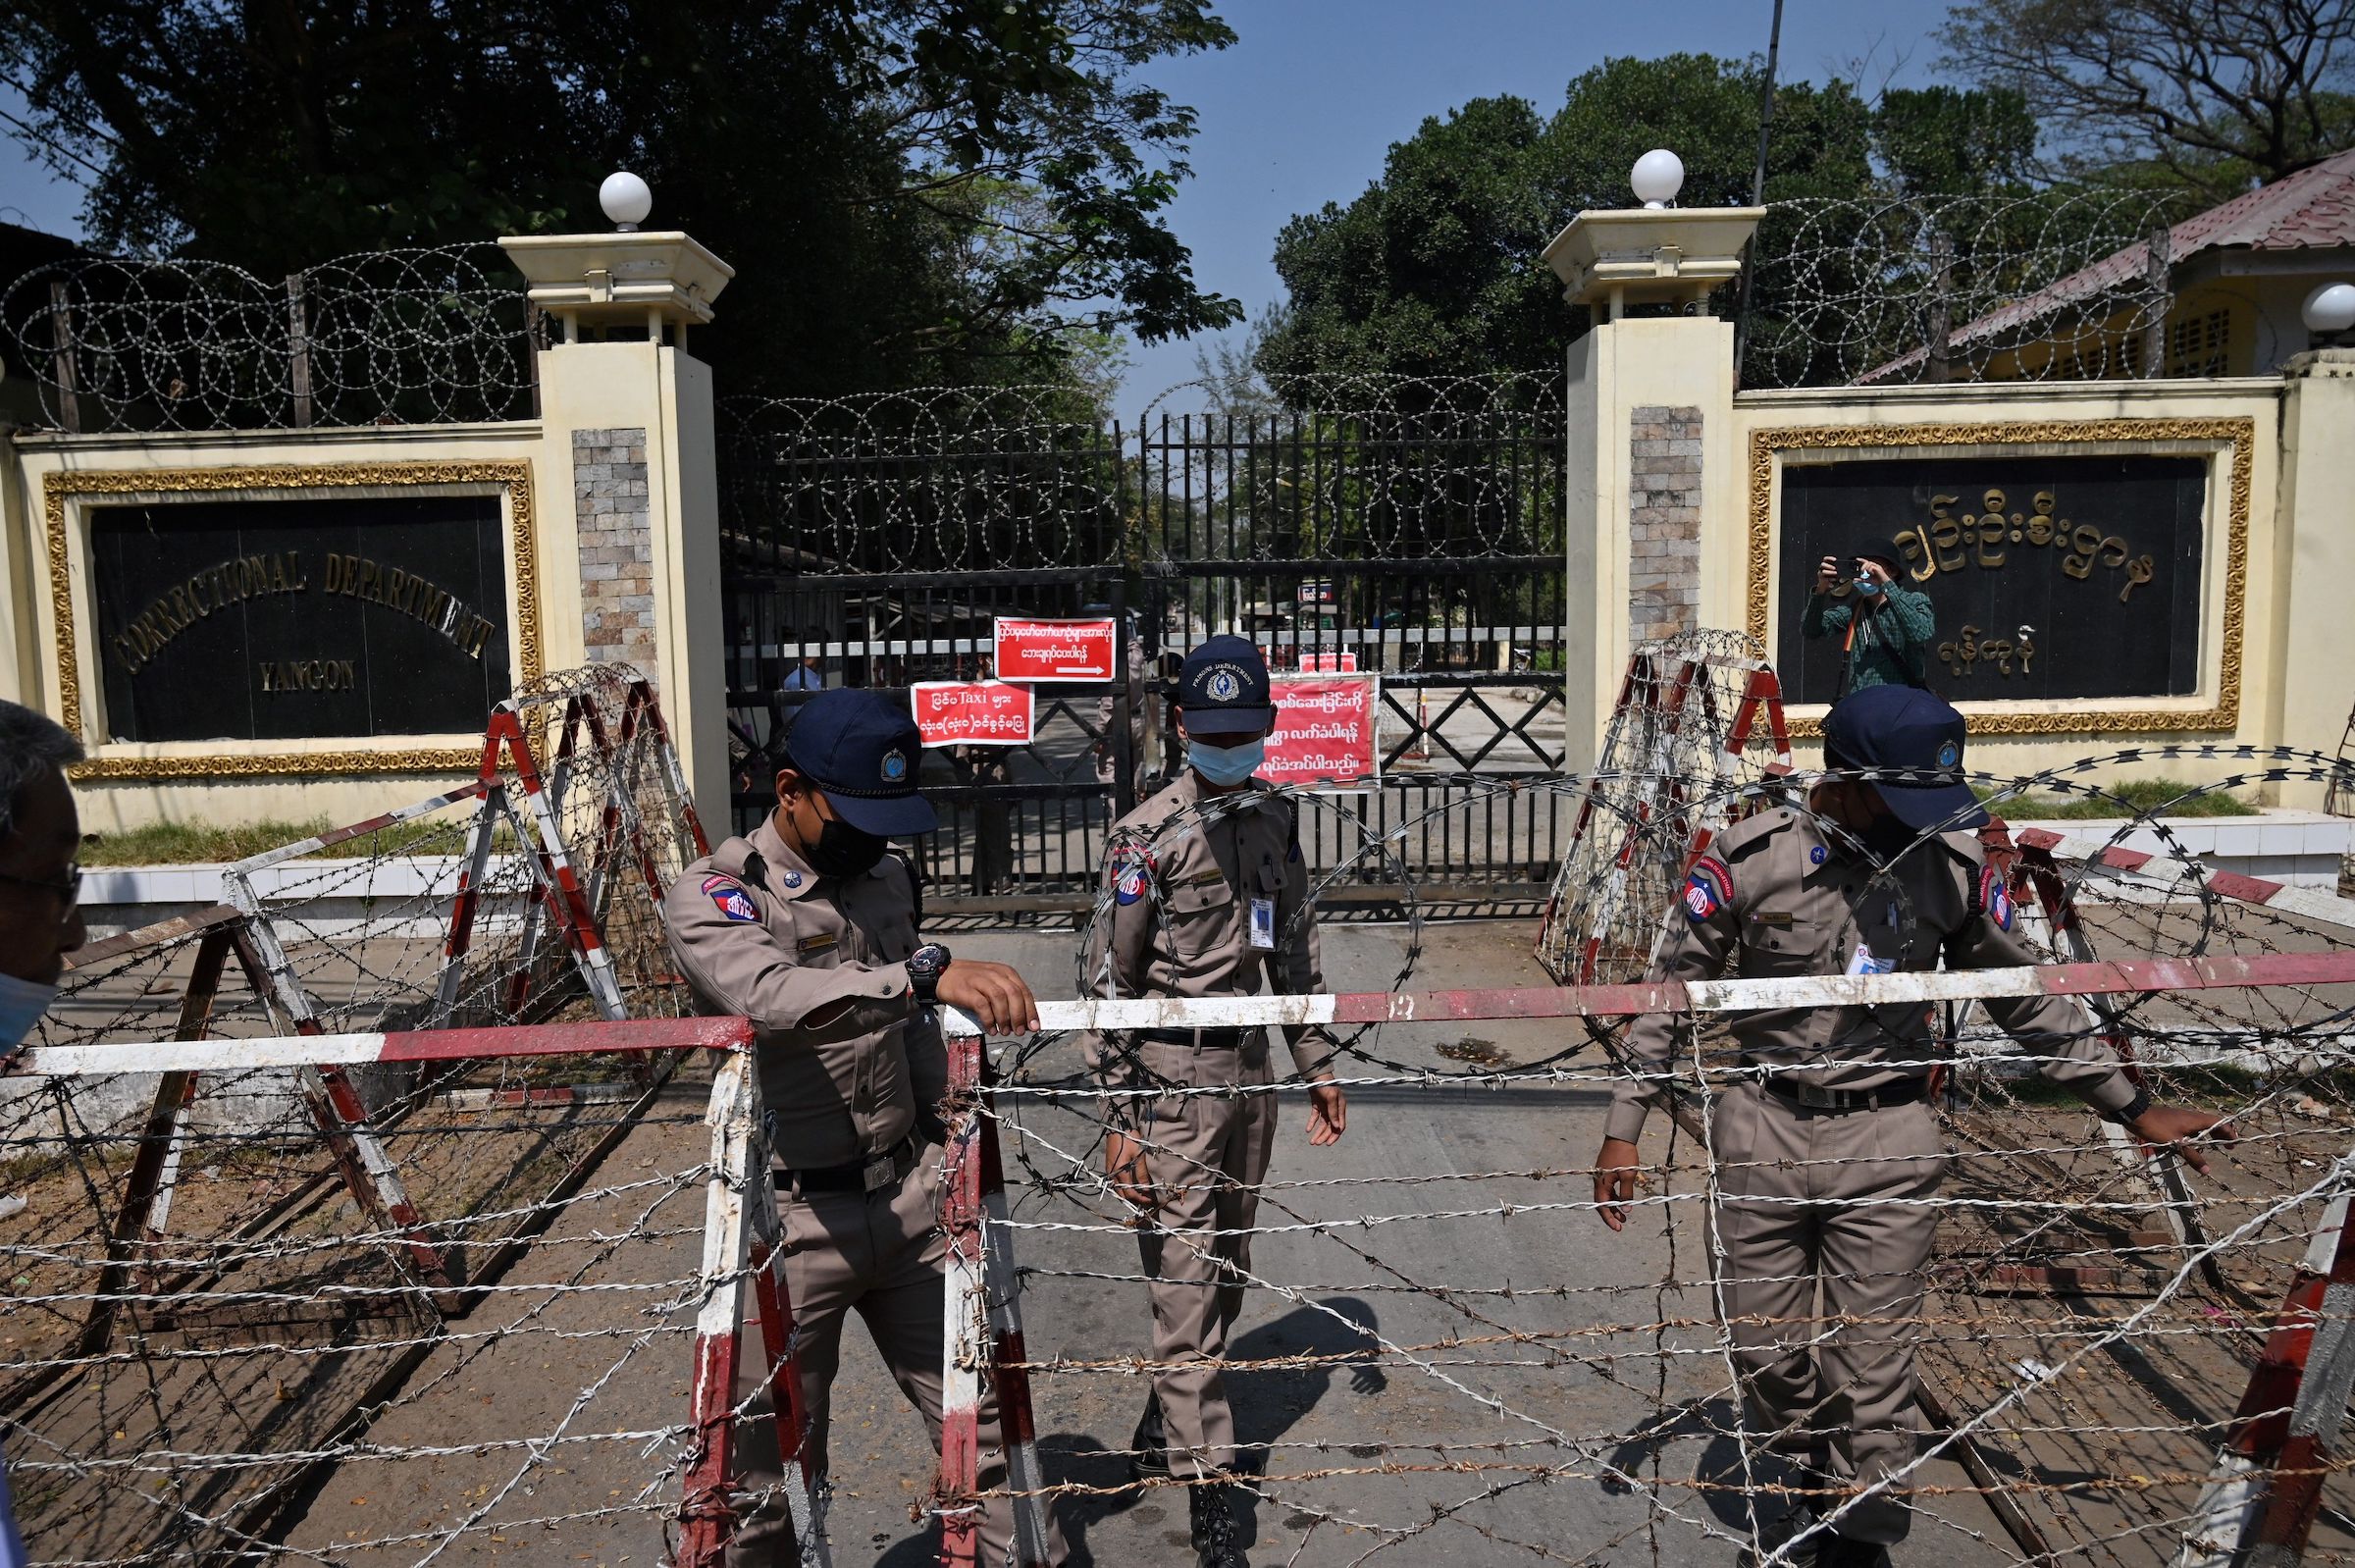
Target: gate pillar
x,y
1653,484
629,542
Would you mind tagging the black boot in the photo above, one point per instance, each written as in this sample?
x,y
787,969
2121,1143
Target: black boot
x,y
1778,1532
1149,1459
1218,1538
1842,1551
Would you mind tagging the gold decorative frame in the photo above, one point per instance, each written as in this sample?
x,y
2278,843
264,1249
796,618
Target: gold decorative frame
x,y
514,476
2240,435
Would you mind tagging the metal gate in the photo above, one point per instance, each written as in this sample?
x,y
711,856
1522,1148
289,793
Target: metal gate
x,y
1414,525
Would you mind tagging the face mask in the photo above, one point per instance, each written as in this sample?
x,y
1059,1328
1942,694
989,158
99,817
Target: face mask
x,y
21,1004
1888,838
1225,765
843,851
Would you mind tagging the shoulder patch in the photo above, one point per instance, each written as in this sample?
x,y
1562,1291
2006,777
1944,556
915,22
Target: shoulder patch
x,y
730,898
1129,883
1996,898
1708,888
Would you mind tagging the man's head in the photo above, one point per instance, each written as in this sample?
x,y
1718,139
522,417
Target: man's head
x,y
849,781
40,833
1884,552
1914,740
1223,705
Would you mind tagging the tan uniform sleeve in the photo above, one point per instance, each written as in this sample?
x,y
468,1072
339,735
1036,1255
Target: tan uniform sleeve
x,y
1117,952
742,968
1694,947
1299,961
2054,1028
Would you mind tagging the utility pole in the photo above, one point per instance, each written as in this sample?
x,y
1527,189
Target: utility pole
x,y
1758,185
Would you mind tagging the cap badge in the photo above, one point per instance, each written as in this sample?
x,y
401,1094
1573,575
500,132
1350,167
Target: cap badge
x,y
1224,686
895,765
1949,755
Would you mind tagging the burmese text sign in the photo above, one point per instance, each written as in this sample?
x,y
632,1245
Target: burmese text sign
x,y
972,712
1054,649
1324,730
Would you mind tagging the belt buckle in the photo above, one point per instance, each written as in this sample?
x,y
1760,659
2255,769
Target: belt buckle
x,y
881,1172
1814,1097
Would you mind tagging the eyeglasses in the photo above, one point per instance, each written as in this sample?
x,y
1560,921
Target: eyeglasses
x,y
69,889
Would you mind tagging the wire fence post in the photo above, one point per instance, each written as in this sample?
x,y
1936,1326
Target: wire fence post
x,y
299,351
1940,368
2162,297
61,346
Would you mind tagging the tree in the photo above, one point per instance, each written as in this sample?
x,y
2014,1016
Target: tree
x,y
1435,270
2204,94
910,190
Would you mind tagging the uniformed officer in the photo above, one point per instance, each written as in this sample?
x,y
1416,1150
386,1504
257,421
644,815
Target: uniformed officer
x,y
1826,1146
808,928
1207,900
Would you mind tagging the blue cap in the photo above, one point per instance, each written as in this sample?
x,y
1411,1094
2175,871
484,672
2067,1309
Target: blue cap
x,y
1223,689
1905,728
861,750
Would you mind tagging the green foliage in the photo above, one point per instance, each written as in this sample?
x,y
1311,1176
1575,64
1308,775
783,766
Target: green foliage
x,y
2126,798
910,190
1436,267
207,843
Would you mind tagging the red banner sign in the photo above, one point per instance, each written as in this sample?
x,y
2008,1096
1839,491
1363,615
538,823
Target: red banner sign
x,y
1329,663
1054,650
1324,730
972,712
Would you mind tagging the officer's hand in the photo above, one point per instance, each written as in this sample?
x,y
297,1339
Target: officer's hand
x,y
1827,574
1327,1112
1616,1169
1125,1168
992,993
2173,1127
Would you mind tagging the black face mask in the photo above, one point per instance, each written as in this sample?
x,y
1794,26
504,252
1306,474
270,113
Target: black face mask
x,y
1888,838
842,851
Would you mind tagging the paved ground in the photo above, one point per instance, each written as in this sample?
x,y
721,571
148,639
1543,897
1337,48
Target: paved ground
x,y
1465,1437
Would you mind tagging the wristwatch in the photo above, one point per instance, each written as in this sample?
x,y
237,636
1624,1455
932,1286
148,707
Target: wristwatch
x,y
924,970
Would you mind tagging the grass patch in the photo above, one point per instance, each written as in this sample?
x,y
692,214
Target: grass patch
x,y
197,842
2127,798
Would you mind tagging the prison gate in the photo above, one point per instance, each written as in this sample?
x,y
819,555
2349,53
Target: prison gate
x,y
1408,529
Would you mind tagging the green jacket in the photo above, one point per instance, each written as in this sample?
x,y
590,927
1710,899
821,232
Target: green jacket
x,y
1891,645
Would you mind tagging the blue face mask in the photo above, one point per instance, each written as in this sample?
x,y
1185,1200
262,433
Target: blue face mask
x,y
1225,765
21,1004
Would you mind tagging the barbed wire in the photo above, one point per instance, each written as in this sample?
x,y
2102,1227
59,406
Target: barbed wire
x,y
398,337
1501,1386
2058,285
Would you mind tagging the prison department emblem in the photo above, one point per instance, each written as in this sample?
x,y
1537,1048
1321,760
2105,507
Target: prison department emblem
x,y
1224,686
1949,755
895,765
1709,888
730,900
1996,898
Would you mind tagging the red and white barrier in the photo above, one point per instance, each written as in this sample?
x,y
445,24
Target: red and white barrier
x,y
983,1321
2311,903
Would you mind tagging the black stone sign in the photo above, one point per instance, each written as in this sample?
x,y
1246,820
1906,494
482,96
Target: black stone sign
x,y
2052,577
247,620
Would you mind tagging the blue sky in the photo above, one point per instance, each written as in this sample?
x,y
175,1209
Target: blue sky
x,y
1302,110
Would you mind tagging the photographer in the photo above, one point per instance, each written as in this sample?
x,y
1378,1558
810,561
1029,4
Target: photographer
x,y
1886,628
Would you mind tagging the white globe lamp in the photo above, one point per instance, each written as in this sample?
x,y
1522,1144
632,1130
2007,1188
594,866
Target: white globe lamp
x,y
1657,177
626,200
2329,309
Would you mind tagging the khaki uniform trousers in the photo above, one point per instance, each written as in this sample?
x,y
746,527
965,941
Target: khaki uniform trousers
x,y
1206,1155
1836,1384
884,1254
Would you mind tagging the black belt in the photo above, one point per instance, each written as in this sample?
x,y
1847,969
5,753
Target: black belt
x,y
1840,1102
1205,1039
872,1175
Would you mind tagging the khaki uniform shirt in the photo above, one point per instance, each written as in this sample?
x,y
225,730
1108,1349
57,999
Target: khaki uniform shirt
x,y
1775,898
1181,918
755,931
